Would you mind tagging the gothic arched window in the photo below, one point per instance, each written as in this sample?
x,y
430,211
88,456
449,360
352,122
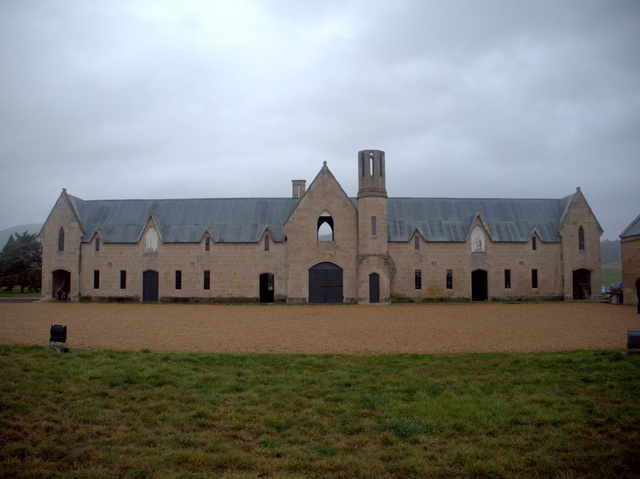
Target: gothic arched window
x,y
325,227
151,241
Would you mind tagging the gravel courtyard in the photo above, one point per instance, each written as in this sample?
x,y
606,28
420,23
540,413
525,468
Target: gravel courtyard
x,y
437,328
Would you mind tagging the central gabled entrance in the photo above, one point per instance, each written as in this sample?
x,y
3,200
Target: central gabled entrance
x,y
325,283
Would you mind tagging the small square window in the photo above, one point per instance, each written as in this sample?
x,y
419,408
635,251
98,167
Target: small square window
x,y
418,278
207,280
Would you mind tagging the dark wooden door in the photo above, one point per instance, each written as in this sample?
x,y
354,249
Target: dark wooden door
x,y
266,288
325,283
150,286
374,288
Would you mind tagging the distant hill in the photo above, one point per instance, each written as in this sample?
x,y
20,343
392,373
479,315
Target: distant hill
x,y
31,229
610,251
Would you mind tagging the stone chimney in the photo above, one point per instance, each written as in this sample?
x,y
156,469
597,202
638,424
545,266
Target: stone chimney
x,y
298,188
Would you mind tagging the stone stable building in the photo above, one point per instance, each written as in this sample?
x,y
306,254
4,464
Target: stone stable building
x,y
321,246
630,252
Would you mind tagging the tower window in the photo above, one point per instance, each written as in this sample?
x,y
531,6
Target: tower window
x,y
373,226
61,239
581,238
325,227
417,277
371,164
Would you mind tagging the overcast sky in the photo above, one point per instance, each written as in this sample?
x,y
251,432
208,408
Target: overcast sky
x,y
205,99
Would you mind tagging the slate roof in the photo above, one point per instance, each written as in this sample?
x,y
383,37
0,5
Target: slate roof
x,y
237,220
243,220
450,219
632,230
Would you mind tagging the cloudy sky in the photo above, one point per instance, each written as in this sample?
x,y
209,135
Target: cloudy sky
x,y
206,99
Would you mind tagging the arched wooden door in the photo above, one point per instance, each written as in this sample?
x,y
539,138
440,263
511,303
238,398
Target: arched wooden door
x,y
325,283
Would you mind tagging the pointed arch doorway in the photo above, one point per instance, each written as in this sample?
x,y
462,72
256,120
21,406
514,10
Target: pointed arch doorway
x,y
61,284
581,284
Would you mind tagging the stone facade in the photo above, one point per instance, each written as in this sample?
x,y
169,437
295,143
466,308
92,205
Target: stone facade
x,y
361,261
630,248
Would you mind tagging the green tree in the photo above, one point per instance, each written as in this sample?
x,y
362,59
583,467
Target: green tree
x,y
21,263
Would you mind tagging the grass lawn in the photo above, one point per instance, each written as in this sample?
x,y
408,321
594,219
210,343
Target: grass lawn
x,y
15,293
143,415
610,276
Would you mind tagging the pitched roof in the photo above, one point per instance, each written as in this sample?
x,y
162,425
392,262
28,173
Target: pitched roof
x,y
450,219
237,220
243,220
632,230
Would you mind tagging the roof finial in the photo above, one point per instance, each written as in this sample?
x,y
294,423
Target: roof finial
x,y
324,163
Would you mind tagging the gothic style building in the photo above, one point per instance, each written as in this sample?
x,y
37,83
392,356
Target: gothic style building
x,y
321,246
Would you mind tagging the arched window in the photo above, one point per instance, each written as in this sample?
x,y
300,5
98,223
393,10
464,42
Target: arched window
x,y
325,227
61,239
477,240
151,241
581,238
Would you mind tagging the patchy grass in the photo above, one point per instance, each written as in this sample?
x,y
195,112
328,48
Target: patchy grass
x,y
142,415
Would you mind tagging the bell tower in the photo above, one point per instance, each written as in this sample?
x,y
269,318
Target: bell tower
x,y
374,285
371,176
